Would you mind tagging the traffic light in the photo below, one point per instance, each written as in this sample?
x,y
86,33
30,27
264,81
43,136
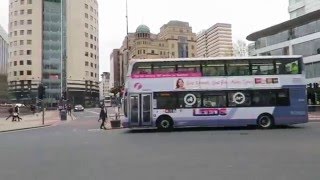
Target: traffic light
x,y
41,91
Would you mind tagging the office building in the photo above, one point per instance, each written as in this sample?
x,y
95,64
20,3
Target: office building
x,y
301,7
115,68
55,42
3,51
215,41
298,36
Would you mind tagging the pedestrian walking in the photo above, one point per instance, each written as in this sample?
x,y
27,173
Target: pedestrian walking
x,y
10,110
69,109
16,113
103,116
32,109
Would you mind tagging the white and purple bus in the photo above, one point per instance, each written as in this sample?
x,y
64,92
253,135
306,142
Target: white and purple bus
x,y
214,92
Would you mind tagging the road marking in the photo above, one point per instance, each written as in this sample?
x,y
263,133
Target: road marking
x,y
92,112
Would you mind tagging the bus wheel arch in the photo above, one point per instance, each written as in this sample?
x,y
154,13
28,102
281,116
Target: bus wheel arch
x,y
164,122
265,121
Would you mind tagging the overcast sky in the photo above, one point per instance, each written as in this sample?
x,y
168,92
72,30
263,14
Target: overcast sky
x,y
246,16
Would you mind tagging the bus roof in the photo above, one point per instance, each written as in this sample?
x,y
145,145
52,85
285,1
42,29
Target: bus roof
x,y
213,58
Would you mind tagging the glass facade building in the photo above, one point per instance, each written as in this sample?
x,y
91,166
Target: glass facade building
x,y
53,49
299,36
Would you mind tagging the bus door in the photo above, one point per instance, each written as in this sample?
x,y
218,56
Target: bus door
x,y
140,110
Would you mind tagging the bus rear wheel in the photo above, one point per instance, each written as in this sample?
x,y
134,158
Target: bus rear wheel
x,y
165,123
265,121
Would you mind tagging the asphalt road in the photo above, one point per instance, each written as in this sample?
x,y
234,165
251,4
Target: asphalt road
x,y
77,150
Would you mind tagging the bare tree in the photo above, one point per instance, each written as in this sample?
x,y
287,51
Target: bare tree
x,y
240,48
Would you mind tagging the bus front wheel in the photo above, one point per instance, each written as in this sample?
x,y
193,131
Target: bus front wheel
x,y
265,121
165,123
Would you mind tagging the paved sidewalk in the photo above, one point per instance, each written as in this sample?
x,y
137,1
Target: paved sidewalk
x,y
30,121
314,116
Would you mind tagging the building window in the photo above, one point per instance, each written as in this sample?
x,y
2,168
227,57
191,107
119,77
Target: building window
x,y
91,64
29,1
86,54
29,52
15,33
22,12
29,32
29,62
91,18
91,55
15,13
86,44
15,53
15,73
152,51
86,25
86,15
21,2
15,43
95,74
29,73
91,46
29,11
86,34
15,23
87,73
29,21
15,63
21,63
21,53
21,73
86,6
91,36
21,22
21,32
192,47
86,63
91,9
95,66
29,42
91,74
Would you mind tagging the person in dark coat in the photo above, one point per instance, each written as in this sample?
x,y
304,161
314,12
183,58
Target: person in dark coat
x,y
10,110
103,116
69,109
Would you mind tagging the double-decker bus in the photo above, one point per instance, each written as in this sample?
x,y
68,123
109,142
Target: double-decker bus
x,y
214,92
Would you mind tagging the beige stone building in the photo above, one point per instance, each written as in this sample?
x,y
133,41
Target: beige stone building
x,y
215,41
175,40
56,43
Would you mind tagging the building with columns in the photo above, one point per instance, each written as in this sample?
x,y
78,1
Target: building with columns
x,y
175,40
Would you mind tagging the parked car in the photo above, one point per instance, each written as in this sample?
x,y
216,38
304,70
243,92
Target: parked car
x,y
78,108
